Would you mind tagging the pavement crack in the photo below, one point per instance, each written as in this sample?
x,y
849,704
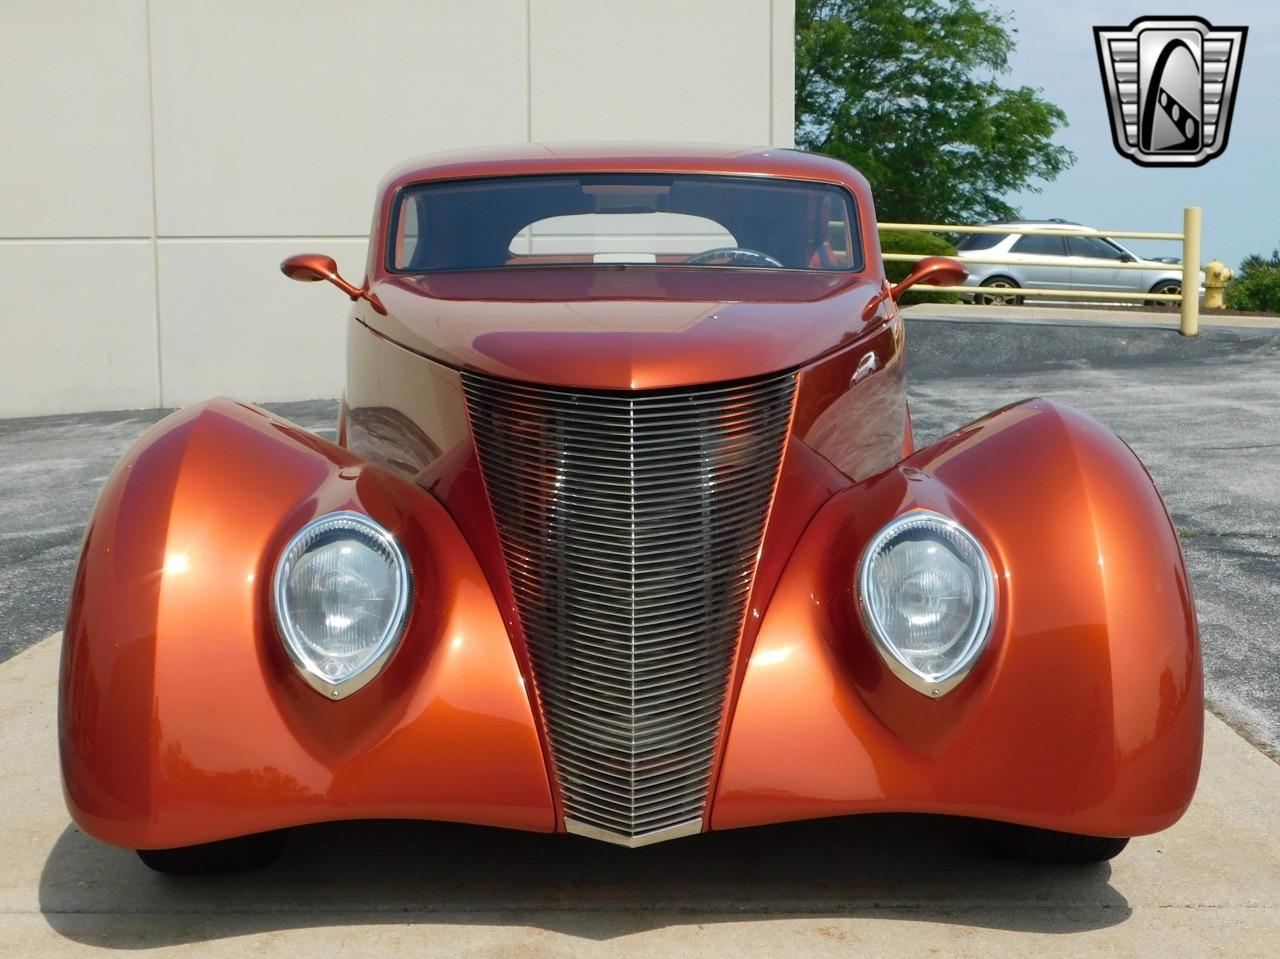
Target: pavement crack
x,y
1251,446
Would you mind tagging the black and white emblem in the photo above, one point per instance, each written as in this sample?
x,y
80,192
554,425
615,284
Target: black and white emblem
x,y
1170,84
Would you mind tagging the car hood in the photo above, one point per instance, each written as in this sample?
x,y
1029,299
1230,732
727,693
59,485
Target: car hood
x,y
625,327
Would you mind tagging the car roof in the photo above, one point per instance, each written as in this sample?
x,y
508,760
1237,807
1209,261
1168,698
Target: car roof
x,y
1067,226
530,158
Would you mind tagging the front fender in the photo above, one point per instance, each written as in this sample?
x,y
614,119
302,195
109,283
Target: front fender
x,y
1084,713
182,720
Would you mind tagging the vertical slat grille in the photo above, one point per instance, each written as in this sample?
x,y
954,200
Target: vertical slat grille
x,y
631,524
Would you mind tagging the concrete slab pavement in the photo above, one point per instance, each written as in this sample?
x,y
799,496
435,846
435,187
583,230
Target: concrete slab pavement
x,y
883,885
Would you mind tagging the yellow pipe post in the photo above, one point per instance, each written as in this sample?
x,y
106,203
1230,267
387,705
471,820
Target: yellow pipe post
x,y
1191,222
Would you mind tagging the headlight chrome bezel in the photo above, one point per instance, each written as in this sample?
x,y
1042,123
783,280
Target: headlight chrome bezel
x,y
979,633
362,526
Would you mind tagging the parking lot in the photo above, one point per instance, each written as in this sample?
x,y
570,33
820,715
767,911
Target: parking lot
x,y
1201,413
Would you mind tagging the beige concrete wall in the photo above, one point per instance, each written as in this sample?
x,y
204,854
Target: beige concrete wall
x,y
160,157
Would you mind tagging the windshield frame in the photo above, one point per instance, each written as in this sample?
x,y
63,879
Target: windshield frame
x,y
857,236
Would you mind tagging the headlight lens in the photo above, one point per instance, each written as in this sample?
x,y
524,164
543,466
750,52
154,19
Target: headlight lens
x,y
927,595
341,598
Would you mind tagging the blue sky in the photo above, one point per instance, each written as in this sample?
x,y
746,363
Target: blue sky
x,y
1239,190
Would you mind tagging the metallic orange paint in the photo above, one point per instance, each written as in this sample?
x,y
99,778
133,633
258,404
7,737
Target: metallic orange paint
x,y
1084,714
310,267
182,720
625,327
932,271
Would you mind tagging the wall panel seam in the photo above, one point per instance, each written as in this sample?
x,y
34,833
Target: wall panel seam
x,y
155,212
261,238
183,238
528,70
51,240
773,80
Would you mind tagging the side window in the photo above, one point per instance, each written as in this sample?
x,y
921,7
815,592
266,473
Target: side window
x,y
1094,247
407,233
840,236
980,241
1039,245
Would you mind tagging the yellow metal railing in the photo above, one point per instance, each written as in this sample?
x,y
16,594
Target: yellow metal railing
x,y
1189,323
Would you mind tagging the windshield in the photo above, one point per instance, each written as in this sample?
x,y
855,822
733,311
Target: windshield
x,y
689,220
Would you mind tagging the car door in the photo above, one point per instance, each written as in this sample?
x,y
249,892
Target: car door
x,y
1032,255
1104,274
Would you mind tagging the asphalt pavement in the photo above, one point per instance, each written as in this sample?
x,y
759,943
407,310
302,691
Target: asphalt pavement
x,y
51,471
1203,413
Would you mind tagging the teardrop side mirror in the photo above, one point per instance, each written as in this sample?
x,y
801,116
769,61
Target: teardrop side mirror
x,y
309,267
932,271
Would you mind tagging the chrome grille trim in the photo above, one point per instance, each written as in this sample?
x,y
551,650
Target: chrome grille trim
x,y
631,524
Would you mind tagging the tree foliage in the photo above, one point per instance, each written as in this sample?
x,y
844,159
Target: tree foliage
x,y
908,93
1257,288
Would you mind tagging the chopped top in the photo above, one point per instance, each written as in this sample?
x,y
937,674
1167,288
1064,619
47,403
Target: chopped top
x,y
583,157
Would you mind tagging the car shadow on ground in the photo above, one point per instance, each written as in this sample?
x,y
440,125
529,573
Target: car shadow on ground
x,y
918,868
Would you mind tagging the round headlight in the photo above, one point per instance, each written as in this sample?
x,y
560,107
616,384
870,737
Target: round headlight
x,y
927,594
341,598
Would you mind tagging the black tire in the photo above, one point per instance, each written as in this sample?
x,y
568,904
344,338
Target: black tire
x,y
242,854
998,282
1028,844
1164,286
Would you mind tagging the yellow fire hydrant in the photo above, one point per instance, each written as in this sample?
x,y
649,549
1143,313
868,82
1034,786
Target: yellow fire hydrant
x,y
1216,275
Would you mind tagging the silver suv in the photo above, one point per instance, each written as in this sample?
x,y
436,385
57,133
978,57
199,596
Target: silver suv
x,y
1057,263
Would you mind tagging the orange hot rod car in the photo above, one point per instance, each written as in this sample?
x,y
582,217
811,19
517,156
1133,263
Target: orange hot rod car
x,y
624,535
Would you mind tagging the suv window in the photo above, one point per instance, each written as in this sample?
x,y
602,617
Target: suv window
x,y
980,241
1093,246
1039,245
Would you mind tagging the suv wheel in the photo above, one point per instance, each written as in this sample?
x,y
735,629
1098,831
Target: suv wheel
x,y
1165,286
994,283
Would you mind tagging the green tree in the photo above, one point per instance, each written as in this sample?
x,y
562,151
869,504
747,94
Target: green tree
x,y
908,94
1257,288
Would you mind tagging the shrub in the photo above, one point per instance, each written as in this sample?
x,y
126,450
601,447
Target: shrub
x,y
924,244
1257,287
